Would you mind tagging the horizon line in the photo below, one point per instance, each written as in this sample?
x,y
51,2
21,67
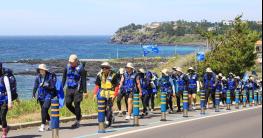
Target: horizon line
x,y
58,35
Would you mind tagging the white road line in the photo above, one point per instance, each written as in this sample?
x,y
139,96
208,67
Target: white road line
x,y
180,122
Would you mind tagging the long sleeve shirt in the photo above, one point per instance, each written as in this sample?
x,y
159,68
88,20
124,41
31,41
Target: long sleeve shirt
x,y
8,90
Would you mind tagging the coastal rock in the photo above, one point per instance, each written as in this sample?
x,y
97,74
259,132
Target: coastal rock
x,y
93,67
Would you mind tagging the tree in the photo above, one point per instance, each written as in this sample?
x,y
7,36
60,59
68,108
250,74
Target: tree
x,y
233,51
166,28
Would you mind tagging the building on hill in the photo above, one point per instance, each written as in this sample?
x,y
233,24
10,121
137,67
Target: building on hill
x,y
259,22
154,25
227,22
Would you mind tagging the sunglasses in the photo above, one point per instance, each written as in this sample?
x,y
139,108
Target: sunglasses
x,y
105,68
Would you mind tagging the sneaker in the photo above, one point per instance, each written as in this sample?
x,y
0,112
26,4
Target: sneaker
x,y
179,110
171,112
194,107
128,117
132,117
49,126
76,125
152,110
142,115
41,128
107,123
221,104
120,114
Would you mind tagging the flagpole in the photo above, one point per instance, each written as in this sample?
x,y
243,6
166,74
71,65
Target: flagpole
x,y
144,58
117,51
175,50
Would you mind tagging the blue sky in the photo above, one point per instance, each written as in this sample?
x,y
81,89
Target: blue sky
x,y
104,17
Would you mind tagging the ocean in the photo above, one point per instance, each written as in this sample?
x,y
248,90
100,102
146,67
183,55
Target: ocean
x,y
15,48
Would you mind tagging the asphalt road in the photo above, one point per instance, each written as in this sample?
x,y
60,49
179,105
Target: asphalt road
x,y
247,124
243,123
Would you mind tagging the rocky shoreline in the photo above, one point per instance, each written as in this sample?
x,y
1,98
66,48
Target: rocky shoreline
x,y
92,67
137,40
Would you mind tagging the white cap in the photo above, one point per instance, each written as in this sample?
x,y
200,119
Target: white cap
x,y
209,70
231,73
165,72
179,69
191,68
73,58
105,64
43,67
121,70
220,75
130,65
142,70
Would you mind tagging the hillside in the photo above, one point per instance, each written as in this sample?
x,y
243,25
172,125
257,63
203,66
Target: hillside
x,y
173,32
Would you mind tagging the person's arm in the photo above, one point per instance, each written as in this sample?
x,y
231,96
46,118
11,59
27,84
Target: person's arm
x,y
64,77
215,80
115,85
139,85
36,84
186,79
121,83
171,81
97,86
8,90
83,80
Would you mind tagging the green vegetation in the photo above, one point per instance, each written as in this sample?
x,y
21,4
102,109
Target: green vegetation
x,y
29,110
232,51
176,31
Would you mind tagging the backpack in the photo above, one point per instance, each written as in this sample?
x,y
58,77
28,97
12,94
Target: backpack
x,y
12,80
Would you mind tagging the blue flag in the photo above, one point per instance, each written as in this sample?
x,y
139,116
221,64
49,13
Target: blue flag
x,y
150,49
60,93
200,56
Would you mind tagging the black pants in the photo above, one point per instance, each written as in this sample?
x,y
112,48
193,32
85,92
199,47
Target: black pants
x,y
145,102
248,94
119,98
73,95
169,101
152,98
108,111
3,113
208,93
179,96
232,95
45,105
223,98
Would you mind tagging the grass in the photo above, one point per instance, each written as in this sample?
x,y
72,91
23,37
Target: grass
x,y
179,61
29,110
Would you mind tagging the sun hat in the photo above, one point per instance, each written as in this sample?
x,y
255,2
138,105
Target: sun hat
x,y
73,58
